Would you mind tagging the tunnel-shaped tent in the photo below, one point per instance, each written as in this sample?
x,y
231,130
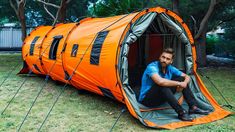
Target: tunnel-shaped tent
x,y
107,56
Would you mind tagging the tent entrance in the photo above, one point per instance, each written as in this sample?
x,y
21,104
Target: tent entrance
x,y
143,43
148,47
142,52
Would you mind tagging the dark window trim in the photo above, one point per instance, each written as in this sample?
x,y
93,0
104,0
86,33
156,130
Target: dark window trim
x,y
36,67
74,50
58,37
106,92
96,47
54,47
32,45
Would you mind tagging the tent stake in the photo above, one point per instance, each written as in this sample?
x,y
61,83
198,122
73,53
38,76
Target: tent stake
x,y
122,111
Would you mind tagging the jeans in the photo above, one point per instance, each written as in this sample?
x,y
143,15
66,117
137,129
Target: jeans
x,y
158,95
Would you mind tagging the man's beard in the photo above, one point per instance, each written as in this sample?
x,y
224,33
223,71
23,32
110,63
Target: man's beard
x,y
163,64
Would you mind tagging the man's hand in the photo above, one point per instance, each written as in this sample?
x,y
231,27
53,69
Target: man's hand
x,y
183,84
179,89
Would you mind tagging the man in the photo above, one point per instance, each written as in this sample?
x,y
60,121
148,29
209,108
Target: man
x,y
158,87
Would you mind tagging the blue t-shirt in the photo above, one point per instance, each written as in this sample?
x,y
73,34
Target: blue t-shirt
x,y
155,68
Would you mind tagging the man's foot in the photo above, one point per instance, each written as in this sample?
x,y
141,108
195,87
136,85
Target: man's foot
x,y
184,116
197,110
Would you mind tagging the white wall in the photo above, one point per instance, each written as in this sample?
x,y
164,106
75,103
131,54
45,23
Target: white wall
x,y
10,37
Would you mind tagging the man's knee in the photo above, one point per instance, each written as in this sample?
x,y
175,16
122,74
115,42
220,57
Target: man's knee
x,y
168,90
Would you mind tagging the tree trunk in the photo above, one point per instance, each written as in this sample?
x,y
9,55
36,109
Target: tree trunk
x,y
175,6
18,7
62,11
201,48
22,20
200,37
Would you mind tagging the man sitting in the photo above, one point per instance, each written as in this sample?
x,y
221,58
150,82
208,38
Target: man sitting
x,y
157,85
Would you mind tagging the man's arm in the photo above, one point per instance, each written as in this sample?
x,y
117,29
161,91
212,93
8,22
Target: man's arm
x,y
164,82
186,80
171,83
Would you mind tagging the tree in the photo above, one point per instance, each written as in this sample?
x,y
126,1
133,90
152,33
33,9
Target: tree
x,y
200,36
119,7
175,6
6,13
104,8
37,15
207,19
18,6
77,10
61,10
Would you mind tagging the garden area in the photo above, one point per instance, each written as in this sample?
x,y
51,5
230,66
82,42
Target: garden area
x,y
78,30
84,111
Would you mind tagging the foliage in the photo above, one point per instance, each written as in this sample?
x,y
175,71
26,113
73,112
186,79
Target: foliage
x,y
230,30
211,41
36,15
104,8
216,44
77,9
6,13
225,48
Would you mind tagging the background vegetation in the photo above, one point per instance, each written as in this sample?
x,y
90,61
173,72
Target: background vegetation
x,y
202,16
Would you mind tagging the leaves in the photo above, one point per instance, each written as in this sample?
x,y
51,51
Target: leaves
x,y
116,7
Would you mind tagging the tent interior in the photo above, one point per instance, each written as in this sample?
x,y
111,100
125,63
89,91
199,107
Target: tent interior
x,y
148,47
143,44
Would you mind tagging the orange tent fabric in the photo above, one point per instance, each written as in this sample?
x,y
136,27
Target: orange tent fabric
x,y
87,55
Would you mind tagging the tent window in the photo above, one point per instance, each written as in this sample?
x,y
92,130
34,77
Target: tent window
x,y
36,67
106,92
54,47
33,45
74,50
96,48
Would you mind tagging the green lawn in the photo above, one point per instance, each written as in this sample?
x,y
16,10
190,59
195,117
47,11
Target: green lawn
x,y
77,111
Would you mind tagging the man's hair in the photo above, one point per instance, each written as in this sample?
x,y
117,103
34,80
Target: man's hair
x,y
170,51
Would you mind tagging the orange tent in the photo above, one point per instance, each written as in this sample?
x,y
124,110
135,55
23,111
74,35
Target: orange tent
x,y
107,56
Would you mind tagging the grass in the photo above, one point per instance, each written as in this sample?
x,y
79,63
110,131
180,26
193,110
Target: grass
x,y
76,111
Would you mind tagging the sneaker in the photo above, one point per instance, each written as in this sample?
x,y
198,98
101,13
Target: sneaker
x,y
184,116
198,111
